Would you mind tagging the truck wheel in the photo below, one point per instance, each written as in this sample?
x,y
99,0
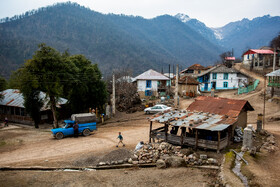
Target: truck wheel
x,y
148,112
59,135
86,132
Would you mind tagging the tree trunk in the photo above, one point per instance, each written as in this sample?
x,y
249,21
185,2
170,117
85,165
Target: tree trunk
x,y
53,108
36,125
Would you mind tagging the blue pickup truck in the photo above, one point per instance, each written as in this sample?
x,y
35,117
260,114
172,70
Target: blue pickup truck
x,y
67,130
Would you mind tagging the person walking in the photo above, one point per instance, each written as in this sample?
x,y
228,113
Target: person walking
x,y
76,130
120,137
6,122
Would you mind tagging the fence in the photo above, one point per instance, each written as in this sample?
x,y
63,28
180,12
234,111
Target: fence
x,y
248,88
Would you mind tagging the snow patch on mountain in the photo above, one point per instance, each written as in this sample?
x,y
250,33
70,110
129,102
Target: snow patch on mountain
x,y
218,33
184,18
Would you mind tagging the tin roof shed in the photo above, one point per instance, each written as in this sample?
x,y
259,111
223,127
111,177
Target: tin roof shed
x,y
219,105
13,97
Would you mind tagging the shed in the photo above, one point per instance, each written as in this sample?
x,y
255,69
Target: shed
x,y
207,123
188,86
12,106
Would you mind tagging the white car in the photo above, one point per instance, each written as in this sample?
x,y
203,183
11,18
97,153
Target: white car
x,y
156,109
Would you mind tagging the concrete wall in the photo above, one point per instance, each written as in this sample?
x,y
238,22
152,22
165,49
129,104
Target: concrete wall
x,y
141,85
233,81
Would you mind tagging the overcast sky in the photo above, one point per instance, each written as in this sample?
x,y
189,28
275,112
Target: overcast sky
x,y
214,13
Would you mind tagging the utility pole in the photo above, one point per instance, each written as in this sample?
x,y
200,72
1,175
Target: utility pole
x,y
114,97
264,93
176,87
274,59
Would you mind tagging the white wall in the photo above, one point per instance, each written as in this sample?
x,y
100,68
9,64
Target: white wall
x,y
232,80
141,85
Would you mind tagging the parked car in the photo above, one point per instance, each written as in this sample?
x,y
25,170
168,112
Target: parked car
x,y
86,122
156,109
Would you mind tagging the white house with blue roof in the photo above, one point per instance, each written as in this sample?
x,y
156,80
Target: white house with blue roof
x,y
221,78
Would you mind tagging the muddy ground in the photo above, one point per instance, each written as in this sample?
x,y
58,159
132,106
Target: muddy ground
x,y
25,146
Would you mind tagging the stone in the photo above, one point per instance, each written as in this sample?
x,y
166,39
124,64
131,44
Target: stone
x,y
141,162
125,160
120,162
175,161
186,151
101,163
253,151
125,172
161,164
107,163
134,162
248,137
130,160
203,157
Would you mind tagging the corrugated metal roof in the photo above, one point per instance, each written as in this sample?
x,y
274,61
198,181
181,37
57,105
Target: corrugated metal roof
x,y
151,75
274,74
196,120
258,51
13,97
224,69
218,105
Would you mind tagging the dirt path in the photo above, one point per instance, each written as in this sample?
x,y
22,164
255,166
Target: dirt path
x,y
32,145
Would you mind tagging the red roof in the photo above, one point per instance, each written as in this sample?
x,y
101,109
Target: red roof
x,y
219,105
229,58
258,51
188,80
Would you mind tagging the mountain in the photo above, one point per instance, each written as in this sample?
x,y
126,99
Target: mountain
x,y
244,34
112,41
198,26
239,35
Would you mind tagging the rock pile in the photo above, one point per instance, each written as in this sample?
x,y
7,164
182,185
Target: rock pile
x,y
165,155
269,144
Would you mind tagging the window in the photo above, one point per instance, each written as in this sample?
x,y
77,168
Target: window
x,y
214,75
225,84
199,71
148,83
225,76
148,93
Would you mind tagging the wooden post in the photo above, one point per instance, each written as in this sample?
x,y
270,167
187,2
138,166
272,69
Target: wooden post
x,y
219,139
114,97
166,129
274,59
176,87
183,133
196,138
264,95
150,135
229,135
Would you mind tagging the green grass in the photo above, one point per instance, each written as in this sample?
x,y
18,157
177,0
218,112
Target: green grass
x,y
2,143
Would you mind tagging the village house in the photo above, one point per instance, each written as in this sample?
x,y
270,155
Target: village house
x,y
151,83
12,107
221,78
208,123
274,83
188,86
194,69
259,59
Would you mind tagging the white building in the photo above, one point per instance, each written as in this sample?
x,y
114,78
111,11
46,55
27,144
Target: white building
x,y
151,83
259,59
221,78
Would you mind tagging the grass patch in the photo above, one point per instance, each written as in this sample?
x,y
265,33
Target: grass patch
x,y
2,143
229,159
